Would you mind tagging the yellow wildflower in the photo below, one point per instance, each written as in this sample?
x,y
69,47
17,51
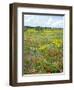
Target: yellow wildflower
x,y
43,47
57,42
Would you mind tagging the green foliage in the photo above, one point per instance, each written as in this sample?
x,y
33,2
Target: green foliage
x,y
43,51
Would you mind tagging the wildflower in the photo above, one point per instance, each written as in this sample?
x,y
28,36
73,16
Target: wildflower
x,y
44,47
57,42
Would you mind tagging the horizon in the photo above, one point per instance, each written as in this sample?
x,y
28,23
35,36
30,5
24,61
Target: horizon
x,y
41,27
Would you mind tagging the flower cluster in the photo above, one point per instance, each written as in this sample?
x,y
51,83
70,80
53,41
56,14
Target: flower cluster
x,y
57,42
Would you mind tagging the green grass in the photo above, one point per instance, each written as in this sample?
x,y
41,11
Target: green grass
x,y
43,51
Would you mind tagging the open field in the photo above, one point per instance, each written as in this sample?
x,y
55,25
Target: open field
x,y
43,51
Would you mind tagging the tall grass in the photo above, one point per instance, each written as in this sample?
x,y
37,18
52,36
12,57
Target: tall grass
x,y
43,51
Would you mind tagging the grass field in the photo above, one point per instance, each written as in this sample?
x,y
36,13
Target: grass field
x,y
43,51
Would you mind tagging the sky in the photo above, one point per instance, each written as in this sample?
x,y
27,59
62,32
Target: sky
x,y
44,21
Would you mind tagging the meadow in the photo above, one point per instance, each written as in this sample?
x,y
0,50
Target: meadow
x,y
43,50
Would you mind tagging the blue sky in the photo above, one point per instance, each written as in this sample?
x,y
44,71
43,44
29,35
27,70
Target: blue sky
x,y
44,21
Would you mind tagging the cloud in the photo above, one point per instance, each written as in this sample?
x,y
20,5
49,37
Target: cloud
x,y
28,18
58,23
55,22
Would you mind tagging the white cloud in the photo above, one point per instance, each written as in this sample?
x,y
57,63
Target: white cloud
x,y
58,23
28,18
55,22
